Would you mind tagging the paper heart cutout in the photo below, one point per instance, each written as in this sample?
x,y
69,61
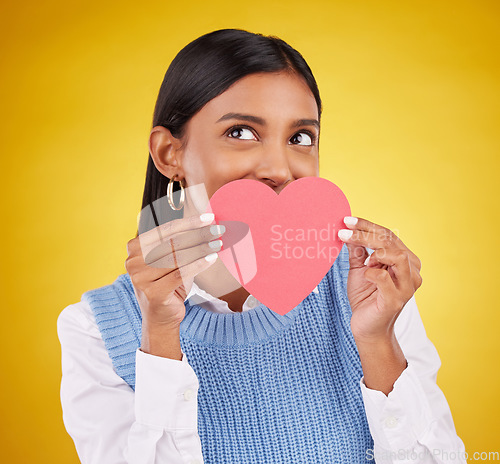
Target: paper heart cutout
x,y
279,247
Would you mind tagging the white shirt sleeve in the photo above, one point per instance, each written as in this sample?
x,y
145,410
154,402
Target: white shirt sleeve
x,y
413,423
107,421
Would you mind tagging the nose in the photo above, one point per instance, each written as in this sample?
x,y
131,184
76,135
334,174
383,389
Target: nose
x,y
274,169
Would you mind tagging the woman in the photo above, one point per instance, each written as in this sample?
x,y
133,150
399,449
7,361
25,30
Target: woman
x,y
159,367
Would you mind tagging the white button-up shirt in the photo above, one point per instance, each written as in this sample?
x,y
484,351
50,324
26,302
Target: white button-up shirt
x,y
111,424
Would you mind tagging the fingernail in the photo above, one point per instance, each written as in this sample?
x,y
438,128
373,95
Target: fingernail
x,y
215,244
350,221
211,257
366,261
345,234
207,217
217,229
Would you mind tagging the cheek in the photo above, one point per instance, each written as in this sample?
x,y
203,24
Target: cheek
x,y
304,166
214,169
227,167
223,172
197,161
232,166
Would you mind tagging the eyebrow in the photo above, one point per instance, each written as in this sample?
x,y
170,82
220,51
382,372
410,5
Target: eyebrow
x,y
262,122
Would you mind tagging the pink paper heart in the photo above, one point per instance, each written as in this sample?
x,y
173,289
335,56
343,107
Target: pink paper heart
x,y
279,247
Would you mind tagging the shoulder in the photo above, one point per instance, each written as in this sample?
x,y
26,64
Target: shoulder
x,y
75,320
81,316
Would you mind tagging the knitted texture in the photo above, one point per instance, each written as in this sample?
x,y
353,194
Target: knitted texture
x,y
273,389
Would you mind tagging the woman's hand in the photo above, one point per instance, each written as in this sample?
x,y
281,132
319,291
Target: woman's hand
x,y
379,290
162,263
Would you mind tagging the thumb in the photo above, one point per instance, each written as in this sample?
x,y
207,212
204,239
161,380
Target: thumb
x,y
357,255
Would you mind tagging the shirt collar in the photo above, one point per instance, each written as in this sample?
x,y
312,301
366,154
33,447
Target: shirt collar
x,y
200,297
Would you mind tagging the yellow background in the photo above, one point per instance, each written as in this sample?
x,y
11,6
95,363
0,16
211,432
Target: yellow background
x,y
409,132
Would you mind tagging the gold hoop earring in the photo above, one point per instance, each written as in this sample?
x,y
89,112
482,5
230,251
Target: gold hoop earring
x,y
170,195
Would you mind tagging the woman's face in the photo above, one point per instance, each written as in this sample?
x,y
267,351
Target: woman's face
x,y
264,127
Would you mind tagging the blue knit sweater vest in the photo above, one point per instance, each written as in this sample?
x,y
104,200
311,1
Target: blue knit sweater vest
x,y
273,389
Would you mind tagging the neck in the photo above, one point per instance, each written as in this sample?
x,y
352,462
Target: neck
x,y
219,282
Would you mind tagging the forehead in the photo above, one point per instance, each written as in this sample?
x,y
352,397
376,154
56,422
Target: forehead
x,y
268,95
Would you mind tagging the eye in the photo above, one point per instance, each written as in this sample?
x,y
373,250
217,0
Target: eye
x,y
303,138
241,133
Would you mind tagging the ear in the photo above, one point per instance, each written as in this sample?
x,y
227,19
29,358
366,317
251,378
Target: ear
x,y
165,151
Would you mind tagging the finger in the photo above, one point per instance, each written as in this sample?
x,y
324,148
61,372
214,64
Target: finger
x,y
185,256
398,261
136,263
139,273
182,241
361,224
356,239
385,285
416,278
164,231
179,276
357,255
379,238
414,261
358,223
